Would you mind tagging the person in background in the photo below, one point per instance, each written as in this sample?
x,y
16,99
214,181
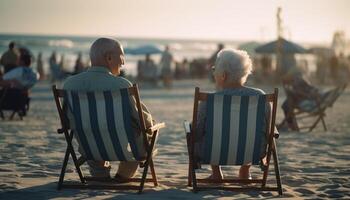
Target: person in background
x,y
40,66
10,58
79,65
165,65
18,81
23,73
300,90
62,64
181,69
54,67
147,70
344,71
212,59
266,65
334,68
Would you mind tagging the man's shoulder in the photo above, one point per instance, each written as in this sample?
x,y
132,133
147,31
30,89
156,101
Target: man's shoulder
x,y
95,83
123,81
71,81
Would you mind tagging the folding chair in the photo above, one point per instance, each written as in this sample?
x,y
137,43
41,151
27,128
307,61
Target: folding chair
x,y
14,100
232,137
316,110
101,122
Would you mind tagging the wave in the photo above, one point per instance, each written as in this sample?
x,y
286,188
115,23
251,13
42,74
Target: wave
x,y
61,43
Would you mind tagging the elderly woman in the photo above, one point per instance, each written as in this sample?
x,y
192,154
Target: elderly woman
x,y
231,71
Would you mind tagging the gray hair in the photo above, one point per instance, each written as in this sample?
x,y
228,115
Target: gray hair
x,y
235,63
101,47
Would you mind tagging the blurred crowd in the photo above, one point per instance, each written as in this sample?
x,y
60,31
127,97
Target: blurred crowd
x,y
331,67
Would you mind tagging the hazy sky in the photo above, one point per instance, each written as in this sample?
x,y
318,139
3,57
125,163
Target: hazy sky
x,y
304,20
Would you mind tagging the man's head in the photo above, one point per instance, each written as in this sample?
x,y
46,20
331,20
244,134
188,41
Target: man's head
x,y
25,58
220,46
12,45
232,67
107,53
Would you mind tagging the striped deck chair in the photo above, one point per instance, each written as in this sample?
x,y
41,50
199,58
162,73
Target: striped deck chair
x,y
232,138
314,108
101,122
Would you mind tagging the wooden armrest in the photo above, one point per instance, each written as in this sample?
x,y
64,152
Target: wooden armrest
x,y
156,127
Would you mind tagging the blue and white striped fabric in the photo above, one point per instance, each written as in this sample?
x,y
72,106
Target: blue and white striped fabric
x,y
233,129
102,125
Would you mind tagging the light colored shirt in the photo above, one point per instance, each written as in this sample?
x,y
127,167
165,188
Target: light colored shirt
x,y
101,79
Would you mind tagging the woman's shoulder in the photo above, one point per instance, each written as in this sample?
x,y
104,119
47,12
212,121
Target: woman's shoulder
x,y
254,90
242,91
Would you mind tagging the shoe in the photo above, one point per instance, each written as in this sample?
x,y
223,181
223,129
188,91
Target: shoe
x,y
98,171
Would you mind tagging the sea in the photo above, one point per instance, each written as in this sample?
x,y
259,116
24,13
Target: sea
x,y
68,48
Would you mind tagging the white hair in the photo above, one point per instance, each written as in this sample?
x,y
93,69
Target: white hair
x,y
101,47
235,63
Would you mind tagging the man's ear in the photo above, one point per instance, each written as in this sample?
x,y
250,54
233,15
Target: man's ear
x,y
108,58
224,76
121,57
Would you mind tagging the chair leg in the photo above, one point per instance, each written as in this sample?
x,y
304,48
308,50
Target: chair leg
x,y
315,124
154,176
12,115
70,149
63,170
144,175
77,166
194,180
324,124
20,116
277,170
189,178
2,115
295,124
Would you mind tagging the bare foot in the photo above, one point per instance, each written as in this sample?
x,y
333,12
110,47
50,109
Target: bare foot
x,y
244,173
216,177
216,173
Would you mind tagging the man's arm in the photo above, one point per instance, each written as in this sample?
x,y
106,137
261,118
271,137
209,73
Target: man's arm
x,y
135,115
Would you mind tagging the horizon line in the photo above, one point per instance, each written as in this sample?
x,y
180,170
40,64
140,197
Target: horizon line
x,y
218,40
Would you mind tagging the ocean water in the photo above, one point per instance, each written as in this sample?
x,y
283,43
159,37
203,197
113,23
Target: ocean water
x,y
70,46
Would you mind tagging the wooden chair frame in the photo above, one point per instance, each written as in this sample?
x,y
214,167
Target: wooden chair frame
x,y
319,114
106,183
272,150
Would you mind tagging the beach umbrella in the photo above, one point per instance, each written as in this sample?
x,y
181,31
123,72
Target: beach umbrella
x,y
142,50
249,47
286,47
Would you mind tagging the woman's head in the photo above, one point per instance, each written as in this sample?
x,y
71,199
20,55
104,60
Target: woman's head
x,y
232,67
25,58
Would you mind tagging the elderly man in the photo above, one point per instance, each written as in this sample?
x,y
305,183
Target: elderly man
x,y
107,57
231,71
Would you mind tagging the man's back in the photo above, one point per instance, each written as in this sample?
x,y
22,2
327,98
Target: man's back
x,y
95,79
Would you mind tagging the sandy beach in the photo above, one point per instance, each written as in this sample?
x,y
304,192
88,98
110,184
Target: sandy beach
x,y
313,165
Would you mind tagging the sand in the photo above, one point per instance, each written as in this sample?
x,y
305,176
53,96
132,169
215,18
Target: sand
x,y
313,165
